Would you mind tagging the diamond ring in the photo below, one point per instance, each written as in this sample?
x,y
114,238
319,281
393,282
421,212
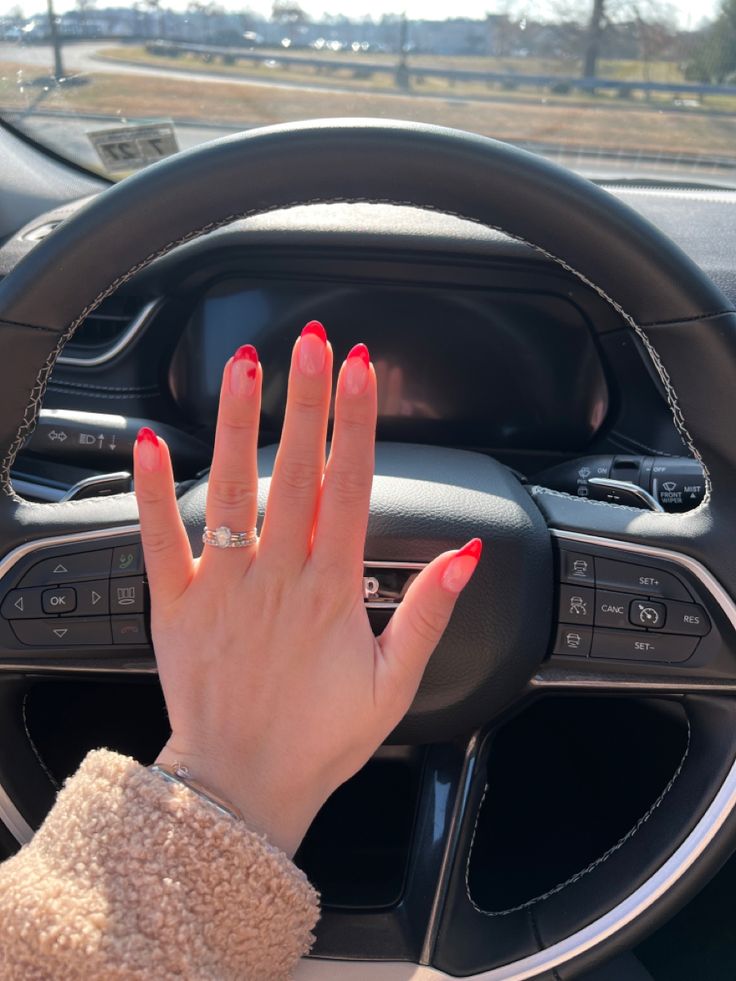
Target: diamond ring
x,y
223,537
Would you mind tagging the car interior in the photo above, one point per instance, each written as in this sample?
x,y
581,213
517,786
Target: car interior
x,y
556,359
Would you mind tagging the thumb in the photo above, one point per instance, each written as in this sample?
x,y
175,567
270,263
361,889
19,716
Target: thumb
x,y
417,625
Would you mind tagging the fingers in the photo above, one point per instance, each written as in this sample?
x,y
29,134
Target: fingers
x,y
232,488
419,622
165,544
339,537
299,466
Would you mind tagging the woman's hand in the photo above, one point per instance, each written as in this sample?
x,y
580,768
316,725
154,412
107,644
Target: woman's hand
x,y
276,688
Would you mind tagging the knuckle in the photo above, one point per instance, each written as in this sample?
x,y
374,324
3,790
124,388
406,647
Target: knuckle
x,y
238,425
350,485
307,399
156,542
429,622
148,497
230,494
299,476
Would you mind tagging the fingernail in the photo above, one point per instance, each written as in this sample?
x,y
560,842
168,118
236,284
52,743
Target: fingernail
x,y
355,372
149,454
243,370
462,566
312,348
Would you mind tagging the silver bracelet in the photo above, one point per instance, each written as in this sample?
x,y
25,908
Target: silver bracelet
x,y
178,774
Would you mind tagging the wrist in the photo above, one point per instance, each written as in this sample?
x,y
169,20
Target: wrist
x,y
283,823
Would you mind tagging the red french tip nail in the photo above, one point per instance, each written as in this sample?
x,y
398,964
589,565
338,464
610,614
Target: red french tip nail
x,y
360,351
246,352
473,548
316,328
146,435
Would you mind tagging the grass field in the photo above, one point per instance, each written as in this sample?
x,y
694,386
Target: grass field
x,y
331,75
604,125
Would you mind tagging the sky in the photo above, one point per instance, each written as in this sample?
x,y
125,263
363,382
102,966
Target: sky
x,y
689,13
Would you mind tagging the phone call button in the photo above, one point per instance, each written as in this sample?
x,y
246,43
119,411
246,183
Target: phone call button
x,y
129,630
127,560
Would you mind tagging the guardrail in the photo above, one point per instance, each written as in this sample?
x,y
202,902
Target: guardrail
x,y
364,68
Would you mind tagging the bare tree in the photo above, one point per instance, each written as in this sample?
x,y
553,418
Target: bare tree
x,y
84,7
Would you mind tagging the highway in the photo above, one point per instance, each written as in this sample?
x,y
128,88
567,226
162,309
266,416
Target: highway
x,y
68,132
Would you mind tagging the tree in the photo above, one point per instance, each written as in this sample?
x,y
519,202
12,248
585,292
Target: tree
x,y
288,12
84,7
593,42
714,59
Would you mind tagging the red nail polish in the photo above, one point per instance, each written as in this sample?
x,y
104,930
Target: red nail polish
x,y
359,351
316,328
473,548
246,352
149,453
146,435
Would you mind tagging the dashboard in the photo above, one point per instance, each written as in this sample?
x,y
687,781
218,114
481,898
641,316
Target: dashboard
x,y
478,341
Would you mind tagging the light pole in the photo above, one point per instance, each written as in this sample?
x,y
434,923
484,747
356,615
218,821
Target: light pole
x,y
55,41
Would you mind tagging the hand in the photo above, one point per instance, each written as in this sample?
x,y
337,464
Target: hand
x,y
276,688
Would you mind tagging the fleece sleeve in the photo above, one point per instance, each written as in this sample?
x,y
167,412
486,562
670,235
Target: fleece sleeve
x,y
130,877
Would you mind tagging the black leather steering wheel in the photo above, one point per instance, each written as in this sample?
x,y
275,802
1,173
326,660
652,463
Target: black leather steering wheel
x,y
426,499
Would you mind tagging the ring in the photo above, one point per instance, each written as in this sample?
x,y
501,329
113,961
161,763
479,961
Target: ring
x,y
222,537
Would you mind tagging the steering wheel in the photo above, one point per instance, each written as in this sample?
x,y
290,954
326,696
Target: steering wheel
x,y
427,499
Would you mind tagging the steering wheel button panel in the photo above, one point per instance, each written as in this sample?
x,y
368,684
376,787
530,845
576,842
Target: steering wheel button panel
x,y
612,610
63,633
639,579
620,645
69,568
649,614
577,604
573,639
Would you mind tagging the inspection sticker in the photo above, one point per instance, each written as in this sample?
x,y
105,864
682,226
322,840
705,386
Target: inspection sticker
x,y
132,147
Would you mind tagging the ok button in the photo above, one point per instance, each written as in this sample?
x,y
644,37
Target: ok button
x,y
61,600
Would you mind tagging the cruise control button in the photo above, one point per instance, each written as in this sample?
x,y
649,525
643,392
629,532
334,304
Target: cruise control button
x,y
575,567
93,598
572,639
22,604
129,630
687,618
649,613
639,579
612,609
576,604
68,568
622,645
63,633
127,560
127,595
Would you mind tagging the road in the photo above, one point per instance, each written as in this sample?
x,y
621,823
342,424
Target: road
x,y
68,134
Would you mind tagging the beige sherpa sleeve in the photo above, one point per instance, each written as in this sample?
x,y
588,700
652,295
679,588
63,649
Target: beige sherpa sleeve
x,y
131,878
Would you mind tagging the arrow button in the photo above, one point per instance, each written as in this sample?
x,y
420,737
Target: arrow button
x,y
93,598
68,633
21,604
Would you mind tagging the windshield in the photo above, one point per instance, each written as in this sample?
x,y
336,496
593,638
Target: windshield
x,y
632,90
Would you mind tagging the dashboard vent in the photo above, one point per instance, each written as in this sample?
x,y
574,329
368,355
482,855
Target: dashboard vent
x,y
109,330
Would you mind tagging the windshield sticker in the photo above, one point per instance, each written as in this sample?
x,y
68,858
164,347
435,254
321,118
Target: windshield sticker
x,y
132,147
